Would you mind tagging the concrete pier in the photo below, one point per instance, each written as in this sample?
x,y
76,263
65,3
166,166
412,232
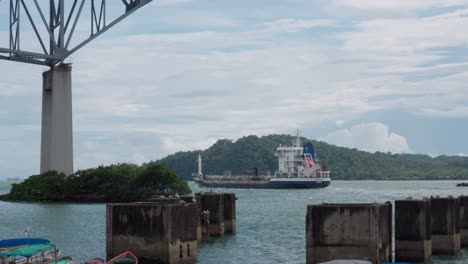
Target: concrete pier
x,y
214,203
154,232
200,218
413,230
445,225
57,125
349,231
464,221
230,213
203,233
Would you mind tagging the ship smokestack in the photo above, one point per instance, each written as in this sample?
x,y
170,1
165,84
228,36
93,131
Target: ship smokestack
x,y
309,149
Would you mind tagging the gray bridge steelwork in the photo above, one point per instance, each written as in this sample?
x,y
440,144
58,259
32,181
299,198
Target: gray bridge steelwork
x,y
54,36
60,27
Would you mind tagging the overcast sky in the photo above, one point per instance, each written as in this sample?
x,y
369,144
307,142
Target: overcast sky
x,y
387,75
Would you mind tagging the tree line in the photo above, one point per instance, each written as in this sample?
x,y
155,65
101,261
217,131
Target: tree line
x,y
114,183
250,152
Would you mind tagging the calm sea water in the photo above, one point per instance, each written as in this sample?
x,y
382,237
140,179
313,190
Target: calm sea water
x,y
271,223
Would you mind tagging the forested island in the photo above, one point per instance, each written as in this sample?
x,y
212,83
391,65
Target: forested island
x,y
114,183
251,152
130,182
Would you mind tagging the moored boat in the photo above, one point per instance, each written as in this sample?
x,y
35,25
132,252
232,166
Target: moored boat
x,y
124,258
94,261
351,261
63,260
36,253
12,243
348,261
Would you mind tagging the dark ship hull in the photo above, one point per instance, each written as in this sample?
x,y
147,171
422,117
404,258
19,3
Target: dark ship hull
x,y
272,184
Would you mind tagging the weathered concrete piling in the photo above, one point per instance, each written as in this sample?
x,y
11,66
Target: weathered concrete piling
x,y
464,221
413,230
167,230
155,232
230,213
349,231
214,203
191,199
445,225
204,230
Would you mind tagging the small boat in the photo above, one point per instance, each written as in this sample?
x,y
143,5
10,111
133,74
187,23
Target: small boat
x,y
95,261
463,184
64,260
356,261
12,243
36,253
341,261
124,258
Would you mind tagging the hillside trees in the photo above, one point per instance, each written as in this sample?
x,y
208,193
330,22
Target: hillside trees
x,y
246,153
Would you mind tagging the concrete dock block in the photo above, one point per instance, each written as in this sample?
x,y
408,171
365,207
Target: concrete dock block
x,y
203,233
195,200
464,221
349,231
413,231
230,213
154,232
214,204
445,214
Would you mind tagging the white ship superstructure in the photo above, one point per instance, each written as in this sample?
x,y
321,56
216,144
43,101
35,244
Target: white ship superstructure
x,y
299,162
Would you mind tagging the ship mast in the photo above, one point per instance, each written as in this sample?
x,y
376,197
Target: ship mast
x,y
298,139
199,165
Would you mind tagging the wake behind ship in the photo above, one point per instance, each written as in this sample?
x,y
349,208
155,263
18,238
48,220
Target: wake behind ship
x,y
298,168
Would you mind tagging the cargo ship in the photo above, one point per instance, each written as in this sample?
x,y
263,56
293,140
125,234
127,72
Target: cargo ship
x,y
298,168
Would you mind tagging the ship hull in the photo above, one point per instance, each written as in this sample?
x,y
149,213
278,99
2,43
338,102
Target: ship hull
x,y
283,184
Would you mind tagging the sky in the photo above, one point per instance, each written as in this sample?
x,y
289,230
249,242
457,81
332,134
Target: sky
x,y
387,75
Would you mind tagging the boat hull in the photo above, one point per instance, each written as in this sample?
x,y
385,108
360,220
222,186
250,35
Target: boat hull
x,y
64,260
274,184
95,261
124,258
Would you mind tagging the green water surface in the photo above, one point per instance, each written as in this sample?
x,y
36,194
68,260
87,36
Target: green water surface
x,y
270,223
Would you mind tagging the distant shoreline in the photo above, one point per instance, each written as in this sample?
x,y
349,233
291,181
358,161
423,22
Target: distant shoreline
x,y
380,180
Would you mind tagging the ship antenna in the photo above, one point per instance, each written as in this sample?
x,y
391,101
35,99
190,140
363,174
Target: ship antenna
x,y
298,138
199,164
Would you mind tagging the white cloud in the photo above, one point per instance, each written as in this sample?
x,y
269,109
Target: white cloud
x,y
404,36
401,5
340,122
171,2
370,137
173,145
292,25
410,62
164,89
451,111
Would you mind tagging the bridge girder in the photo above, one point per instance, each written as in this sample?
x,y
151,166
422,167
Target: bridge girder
x,y
59,27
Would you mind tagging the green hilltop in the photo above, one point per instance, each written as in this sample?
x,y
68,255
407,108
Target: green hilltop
x,y
251,152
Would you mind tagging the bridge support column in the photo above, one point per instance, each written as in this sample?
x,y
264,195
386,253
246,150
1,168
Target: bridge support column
x,y
57,127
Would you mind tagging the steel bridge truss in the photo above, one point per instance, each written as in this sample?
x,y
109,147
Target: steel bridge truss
x,y
60,27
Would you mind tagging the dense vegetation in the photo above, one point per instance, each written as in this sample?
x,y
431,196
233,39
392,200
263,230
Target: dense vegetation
x,y
345,164
129,182
115,183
